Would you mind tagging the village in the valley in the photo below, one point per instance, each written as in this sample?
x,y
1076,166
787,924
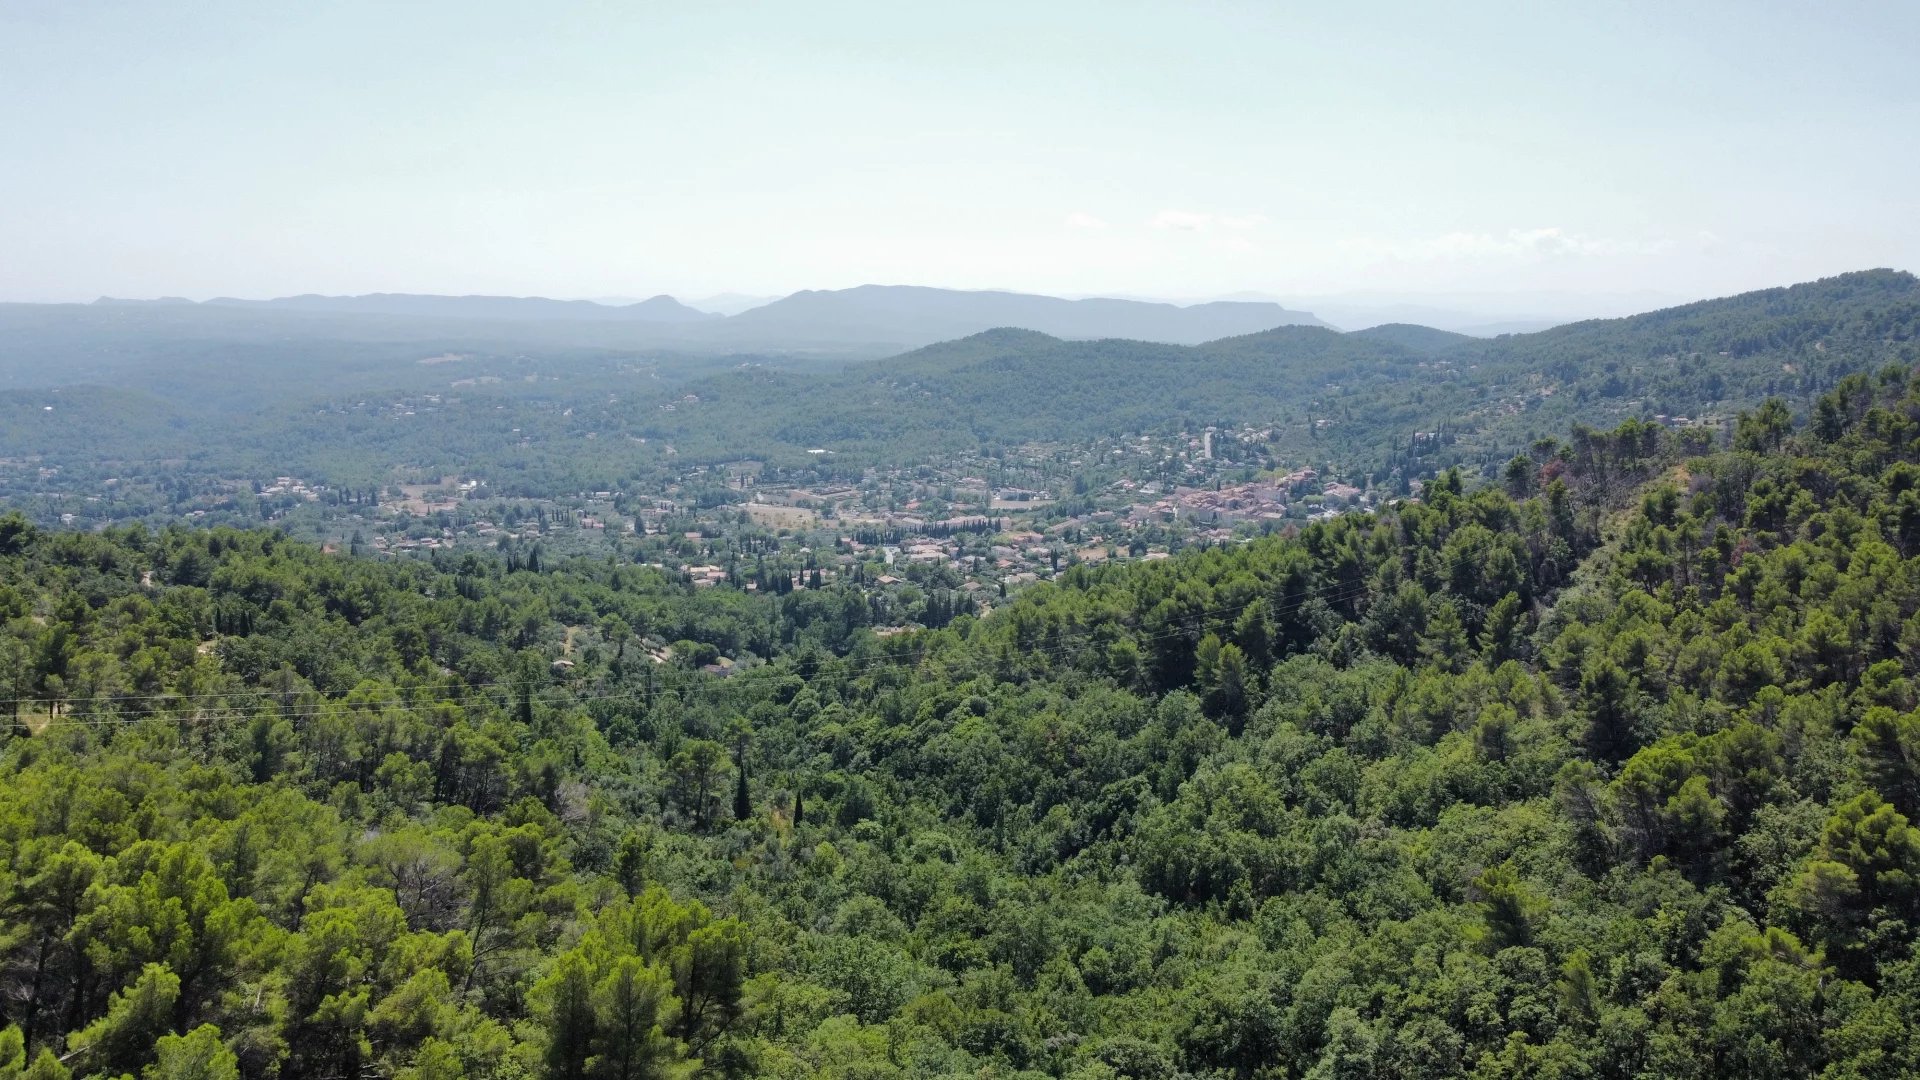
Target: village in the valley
x,y
971,528
978,526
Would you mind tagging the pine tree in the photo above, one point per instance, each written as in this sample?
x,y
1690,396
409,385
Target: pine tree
x,y
564,1003
630,862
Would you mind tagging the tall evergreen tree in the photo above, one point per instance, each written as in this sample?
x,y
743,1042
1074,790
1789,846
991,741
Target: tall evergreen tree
x,y
742,799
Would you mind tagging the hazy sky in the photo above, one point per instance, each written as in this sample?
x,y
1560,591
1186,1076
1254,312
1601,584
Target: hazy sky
x,y
265,148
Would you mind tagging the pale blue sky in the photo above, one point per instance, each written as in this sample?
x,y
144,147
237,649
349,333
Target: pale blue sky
x,y
260,149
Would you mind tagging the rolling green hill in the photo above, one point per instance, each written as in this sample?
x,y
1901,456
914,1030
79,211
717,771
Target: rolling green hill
x,y
1355,398
351,407
1612,773
1421,339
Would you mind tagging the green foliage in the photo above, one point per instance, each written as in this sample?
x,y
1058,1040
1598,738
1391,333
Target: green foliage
x,y
1615,779
164,412
197,1055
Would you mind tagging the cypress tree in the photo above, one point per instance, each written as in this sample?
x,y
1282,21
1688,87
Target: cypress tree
x,y
742,802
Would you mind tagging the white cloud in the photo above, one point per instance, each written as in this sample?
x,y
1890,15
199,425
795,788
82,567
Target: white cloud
x,y
1514,244
1184,220
1080,220
1189,221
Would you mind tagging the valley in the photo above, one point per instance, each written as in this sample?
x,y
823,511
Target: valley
x,y
1054,725
867,541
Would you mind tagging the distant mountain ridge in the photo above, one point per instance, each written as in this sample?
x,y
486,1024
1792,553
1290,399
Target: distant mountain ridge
x,y
729,303
231,384
658,309
919,315
1376,395
882,317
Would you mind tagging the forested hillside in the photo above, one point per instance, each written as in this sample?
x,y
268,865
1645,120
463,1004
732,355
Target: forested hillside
x,y
156,398
1357,399
1611,773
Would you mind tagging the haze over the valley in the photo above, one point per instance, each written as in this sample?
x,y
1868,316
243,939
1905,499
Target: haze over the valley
x,y
918,314
1090,540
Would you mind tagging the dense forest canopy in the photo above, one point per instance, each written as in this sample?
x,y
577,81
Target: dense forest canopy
x,y
1608,768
